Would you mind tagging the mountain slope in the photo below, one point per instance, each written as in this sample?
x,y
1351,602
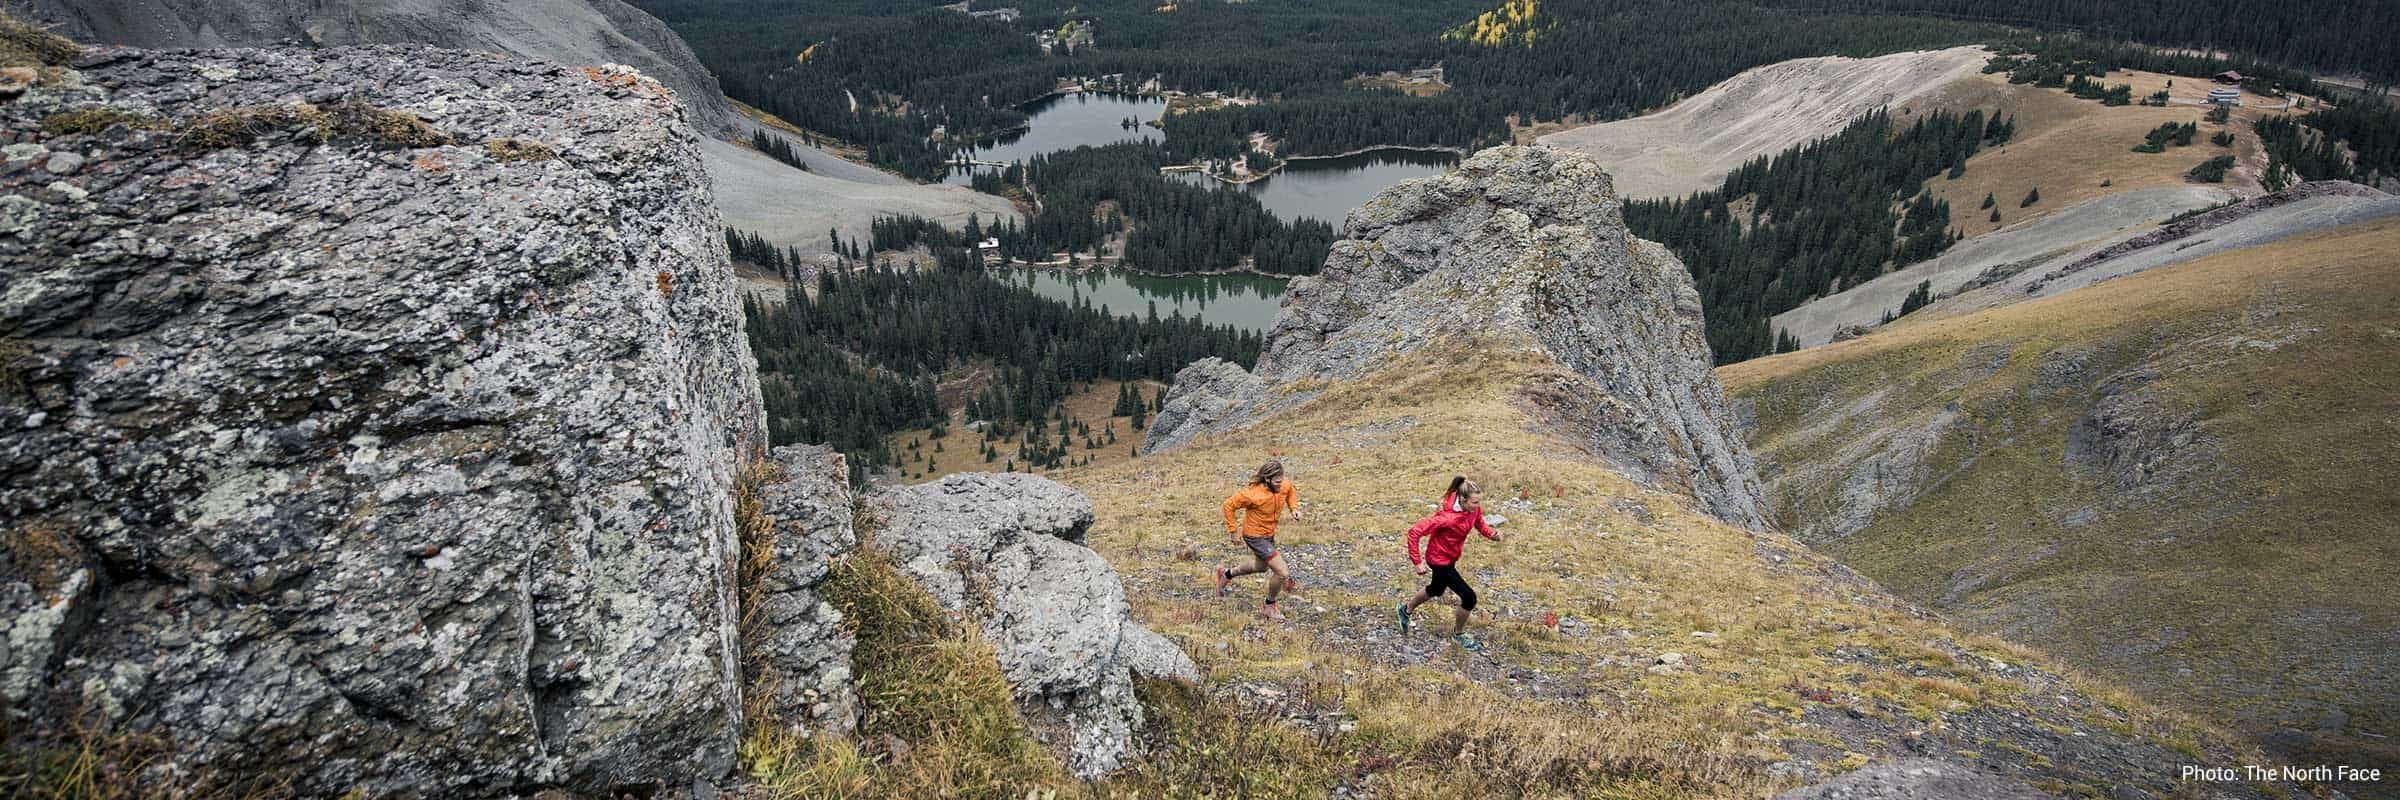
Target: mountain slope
x,y
1690,145
1689,657
2180,479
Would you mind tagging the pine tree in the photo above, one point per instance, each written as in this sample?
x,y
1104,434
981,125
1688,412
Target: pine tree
x,y
1919,297
1989,201
1995,215
2031,197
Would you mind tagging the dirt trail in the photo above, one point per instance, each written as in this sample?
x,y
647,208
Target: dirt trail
x,y
1693,144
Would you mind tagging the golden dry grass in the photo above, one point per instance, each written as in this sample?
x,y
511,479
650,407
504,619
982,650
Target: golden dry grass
x,y
2067,146
2280,353
1636,568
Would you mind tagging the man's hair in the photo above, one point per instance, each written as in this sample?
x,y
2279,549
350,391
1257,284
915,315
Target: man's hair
x,y
1267,472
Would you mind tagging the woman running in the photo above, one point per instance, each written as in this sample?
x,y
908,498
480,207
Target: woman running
x,y
1250,518
1446,536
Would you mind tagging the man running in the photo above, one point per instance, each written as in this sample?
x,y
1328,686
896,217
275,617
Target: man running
x,y
1250,518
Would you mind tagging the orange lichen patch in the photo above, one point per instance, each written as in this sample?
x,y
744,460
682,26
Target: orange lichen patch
x,y
429,162
666,283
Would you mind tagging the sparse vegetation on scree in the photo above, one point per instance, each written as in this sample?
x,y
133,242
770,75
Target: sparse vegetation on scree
x,y
1775,656
2181,467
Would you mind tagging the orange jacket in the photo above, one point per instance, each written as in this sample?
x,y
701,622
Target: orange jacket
x,y
1266,508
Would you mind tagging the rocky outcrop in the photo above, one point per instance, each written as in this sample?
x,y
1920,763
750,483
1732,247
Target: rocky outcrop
x,y
574,32
371,422
1007,551
798,650
1518,243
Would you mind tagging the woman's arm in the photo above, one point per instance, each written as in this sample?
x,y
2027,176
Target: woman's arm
x,y
1417,532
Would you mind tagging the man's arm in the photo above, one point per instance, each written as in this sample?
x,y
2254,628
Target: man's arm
x,y
1291,497
1232,506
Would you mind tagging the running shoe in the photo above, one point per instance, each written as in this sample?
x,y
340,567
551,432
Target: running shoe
x,y
1273,613
1223,581
1404,620
1466,641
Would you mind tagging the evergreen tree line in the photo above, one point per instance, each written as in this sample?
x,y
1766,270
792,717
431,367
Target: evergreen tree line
x,y
778,148
927,81
2332,35
1339,122
855,363
755,249
2053,61
1176,226
1823,217
2357,141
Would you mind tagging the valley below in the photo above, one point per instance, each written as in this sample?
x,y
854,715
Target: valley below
x,y
699,399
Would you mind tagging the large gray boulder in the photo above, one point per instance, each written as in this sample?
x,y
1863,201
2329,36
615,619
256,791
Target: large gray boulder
x,y
366,453
1007,551
1523,245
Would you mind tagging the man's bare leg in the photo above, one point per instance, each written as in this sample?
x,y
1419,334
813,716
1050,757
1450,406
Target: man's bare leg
x,y
1275,585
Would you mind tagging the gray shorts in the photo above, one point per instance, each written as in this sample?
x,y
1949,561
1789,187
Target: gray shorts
x,y
1261,546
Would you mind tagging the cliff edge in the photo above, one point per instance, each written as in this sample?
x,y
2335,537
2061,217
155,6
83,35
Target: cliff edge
x,y
372,418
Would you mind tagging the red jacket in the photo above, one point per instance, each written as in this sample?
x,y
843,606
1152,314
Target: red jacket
x,y
1447,532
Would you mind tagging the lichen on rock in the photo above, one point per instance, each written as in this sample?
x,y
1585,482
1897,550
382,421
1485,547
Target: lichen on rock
x,y
374,462
1007,551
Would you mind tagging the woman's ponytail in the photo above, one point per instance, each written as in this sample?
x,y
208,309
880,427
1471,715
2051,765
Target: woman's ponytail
x,y
1456,498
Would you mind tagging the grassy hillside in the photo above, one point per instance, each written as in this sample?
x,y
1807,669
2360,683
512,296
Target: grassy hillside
x,y
2067,147
1790,664
2181,480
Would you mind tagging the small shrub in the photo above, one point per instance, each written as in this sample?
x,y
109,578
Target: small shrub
x,y
2212,170
347,121
239,126
95,120
513,149
23,45
13,353
355,119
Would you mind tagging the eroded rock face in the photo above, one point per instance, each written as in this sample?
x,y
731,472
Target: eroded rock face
x,y
1008,551
1525,243
576,32
801,650
385,443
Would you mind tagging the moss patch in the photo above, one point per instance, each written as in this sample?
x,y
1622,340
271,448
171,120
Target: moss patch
x,y
23,45
350,121
513,149
95,120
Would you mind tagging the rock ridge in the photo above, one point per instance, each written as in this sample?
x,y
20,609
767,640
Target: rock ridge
x,y
1523,244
